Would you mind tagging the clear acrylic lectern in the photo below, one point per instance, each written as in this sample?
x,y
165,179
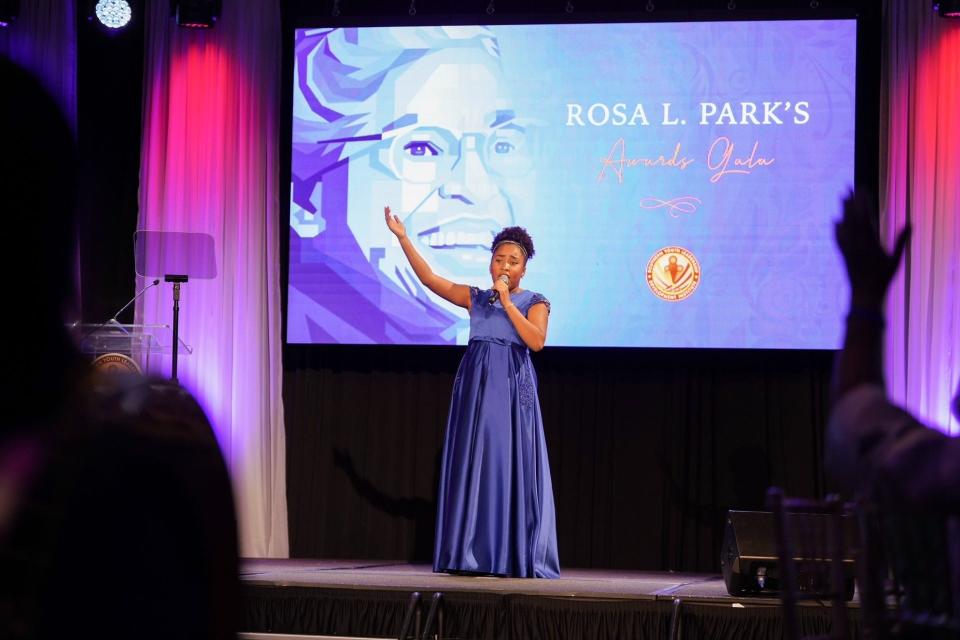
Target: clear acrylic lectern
x,y
140,342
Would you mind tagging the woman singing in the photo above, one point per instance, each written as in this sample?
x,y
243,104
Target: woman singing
x,y
495,512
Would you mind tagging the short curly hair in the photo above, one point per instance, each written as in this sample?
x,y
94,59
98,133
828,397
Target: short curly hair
x,y
518,235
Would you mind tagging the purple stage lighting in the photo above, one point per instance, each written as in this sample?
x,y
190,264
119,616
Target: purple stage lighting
x,y
9,12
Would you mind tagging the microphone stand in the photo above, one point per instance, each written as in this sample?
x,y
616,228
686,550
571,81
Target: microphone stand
x,y
122,309
176,280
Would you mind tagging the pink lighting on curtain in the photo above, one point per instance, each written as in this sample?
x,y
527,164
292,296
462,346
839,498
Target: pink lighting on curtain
x,y
920,172
209,165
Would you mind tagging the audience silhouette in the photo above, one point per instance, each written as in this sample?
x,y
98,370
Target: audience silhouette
x,y
872,444
116,508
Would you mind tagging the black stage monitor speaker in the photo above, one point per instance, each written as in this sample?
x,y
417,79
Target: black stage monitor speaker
x,y
748,557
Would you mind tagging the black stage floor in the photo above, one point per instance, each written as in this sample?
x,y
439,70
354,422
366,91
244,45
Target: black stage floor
x,y
358,598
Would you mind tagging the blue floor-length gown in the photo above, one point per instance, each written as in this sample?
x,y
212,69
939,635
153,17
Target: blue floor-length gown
x,y
495,512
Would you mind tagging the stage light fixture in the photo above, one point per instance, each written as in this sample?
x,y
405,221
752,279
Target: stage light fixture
x,y
113,14
947,8
196,14
9,12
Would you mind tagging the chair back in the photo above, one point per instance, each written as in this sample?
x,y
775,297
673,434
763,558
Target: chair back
x,y
909,573
814,548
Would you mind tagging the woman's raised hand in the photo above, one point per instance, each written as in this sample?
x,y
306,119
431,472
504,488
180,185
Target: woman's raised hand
x,y
869,266
394,224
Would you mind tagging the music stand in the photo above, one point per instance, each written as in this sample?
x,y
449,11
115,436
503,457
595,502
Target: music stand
x,y
176,257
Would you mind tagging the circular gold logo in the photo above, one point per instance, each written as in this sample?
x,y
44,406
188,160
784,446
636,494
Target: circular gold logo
x,y
115,363
673,273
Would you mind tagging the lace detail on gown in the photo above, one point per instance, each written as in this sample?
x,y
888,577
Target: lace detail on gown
x,y
537,298
527,389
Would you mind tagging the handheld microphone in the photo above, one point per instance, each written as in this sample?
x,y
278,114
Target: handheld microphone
x,y
114,318
494,295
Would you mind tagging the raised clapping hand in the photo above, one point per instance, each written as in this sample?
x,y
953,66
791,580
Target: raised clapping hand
x,y
869,267
394,224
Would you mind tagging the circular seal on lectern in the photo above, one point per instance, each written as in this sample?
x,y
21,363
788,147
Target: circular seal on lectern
x,y
673,273
115,363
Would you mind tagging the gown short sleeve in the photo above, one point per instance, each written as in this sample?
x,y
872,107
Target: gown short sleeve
x,y
475,294
538,298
